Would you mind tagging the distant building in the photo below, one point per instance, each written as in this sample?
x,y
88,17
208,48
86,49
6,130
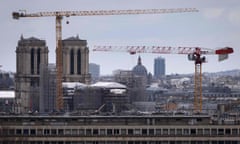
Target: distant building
x,y
98,97
87,99
6,81
94,70
140,74
159,67
139,69
6,101
114,95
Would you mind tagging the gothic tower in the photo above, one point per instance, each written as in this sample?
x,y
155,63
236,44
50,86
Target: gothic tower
x,y
75,60
30,53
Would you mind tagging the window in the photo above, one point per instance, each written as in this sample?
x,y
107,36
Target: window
x,y
123,131
102,131
32,61
116,131
11,132
5,131
79,61
206,131
234,131
109,132
81,131
130,131
151,131
158,131
179,131
25,131
227,131
39,132
32,132
38,60
220,131
67,132
172,131
74,131
193,131
88,132
95,131
46,131
214,131
53,131
72,61
165,131
137,132
186,131
200,131
60,132
144,131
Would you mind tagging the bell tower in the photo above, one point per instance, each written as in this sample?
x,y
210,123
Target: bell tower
x,y
30,54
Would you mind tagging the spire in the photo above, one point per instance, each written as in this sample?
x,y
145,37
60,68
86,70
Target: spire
x,y
139,60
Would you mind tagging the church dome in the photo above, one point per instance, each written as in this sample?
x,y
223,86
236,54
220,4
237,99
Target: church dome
x,y
140,69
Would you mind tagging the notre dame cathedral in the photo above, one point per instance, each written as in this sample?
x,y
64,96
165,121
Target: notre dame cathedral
x,y
31,54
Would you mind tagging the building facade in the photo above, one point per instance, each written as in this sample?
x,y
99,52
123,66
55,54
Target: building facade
x,y
144,129
75,60
159,67
30,53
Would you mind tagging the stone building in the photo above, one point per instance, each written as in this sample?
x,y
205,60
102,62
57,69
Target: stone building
x,y
31,53
75,60
140,74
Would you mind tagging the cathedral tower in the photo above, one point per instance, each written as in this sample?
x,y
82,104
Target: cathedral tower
x,y
75,60
30,54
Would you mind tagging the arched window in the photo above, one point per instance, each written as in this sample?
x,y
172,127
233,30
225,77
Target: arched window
x,y
72,61
79,61
38,60
32,61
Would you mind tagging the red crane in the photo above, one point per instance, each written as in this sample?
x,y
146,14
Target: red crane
x,y
59,16
194,54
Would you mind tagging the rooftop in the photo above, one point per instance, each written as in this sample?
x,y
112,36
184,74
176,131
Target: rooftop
x,y
7,94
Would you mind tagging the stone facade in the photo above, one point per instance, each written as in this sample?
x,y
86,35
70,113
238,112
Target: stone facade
x,y
30,53
75,60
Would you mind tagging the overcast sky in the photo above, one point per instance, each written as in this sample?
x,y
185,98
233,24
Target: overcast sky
x,y
217,24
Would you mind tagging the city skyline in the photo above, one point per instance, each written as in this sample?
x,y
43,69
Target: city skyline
x,y
217,24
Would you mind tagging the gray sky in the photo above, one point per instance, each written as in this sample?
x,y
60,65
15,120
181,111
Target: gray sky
x,y
217,24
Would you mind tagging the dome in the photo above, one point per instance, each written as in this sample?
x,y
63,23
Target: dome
x,y
140,69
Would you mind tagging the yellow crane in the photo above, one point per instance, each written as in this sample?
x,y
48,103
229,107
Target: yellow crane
x,y
59,16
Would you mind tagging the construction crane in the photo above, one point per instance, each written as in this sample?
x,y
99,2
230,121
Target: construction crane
x,y
194,54
59,16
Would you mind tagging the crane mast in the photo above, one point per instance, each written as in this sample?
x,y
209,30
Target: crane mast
x,y
59,63
59,16
194,54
